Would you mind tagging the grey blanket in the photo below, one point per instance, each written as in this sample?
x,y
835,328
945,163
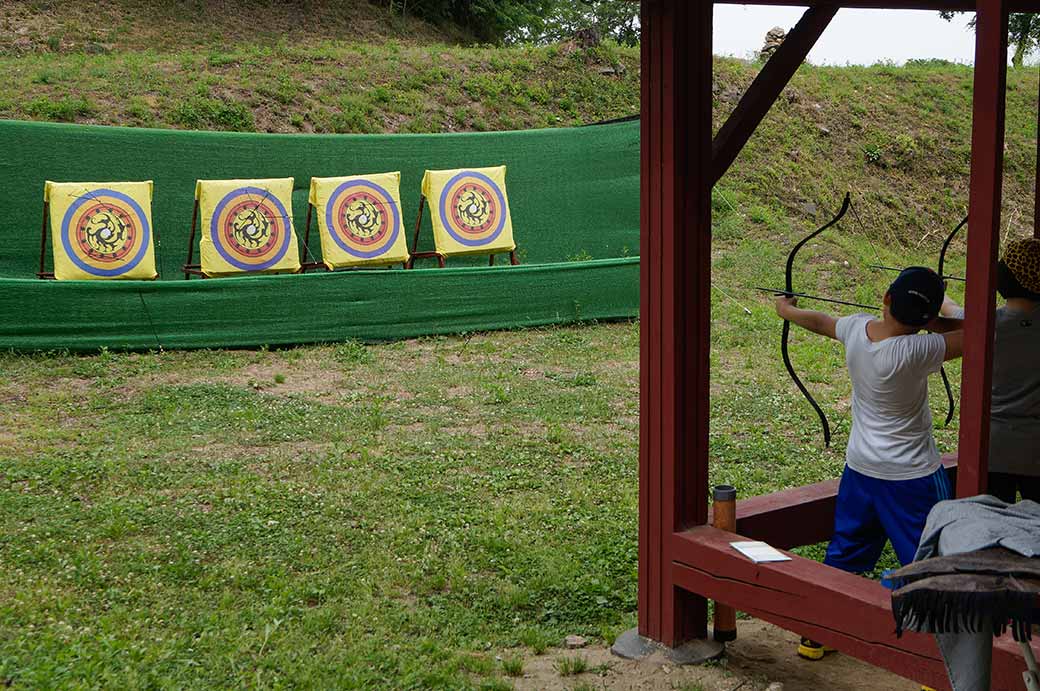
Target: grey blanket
x,y
968,525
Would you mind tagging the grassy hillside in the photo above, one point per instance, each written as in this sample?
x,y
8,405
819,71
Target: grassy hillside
x,y
321,66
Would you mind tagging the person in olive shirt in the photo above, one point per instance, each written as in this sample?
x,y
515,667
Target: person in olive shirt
x,y
1014,441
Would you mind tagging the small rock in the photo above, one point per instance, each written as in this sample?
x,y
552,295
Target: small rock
x,y
607,69
809,209
588,38
574,641
730,95
823,130
775,686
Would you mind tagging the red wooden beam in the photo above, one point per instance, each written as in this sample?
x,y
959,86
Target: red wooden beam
x,y
768,84
798,516
839,609
675,245
984,196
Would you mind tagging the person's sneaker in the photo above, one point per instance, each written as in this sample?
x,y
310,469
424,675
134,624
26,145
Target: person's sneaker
x,y
811,650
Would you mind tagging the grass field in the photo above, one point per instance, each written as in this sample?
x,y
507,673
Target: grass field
x,y
410,515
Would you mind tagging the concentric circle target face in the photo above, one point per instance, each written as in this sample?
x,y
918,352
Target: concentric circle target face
x,y
362,218
105,233
473,208
250,229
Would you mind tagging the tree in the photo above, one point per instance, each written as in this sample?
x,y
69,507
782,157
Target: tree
x,y
492,21
614,19
1023,33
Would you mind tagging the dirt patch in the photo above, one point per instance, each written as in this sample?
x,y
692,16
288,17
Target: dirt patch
x,y
763,657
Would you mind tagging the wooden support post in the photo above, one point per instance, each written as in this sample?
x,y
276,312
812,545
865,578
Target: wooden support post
x,y
675,245
987,162
768,84
1036,185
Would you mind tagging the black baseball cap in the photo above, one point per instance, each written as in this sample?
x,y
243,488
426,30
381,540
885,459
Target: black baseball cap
x,y
917,294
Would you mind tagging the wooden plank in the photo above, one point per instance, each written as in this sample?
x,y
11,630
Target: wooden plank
x,y
839,609
798,516
984,197
768,84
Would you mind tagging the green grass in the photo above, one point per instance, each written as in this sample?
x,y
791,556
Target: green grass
x,y
572,665
513,666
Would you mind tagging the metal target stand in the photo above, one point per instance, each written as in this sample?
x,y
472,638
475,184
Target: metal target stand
x,y
414,252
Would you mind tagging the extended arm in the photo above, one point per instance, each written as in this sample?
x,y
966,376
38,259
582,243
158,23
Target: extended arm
x,y
943,325
954,344
950,308
817,322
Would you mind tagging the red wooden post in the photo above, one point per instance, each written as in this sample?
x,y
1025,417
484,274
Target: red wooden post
x,y
1036,185
675,246
987,162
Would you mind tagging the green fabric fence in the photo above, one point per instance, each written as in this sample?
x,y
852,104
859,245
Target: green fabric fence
x,y
574,198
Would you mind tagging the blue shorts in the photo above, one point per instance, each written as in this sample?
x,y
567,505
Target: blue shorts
x,y
869,511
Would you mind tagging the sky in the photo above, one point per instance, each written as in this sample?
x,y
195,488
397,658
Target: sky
x,y
858,37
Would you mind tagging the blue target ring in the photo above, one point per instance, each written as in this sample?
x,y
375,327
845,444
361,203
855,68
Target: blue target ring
x,y
334,232
93,197
480,242
214,229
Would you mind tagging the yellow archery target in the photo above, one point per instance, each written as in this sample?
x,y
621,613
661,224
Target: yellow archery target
x,y
470,210
359,218
246,226
101,230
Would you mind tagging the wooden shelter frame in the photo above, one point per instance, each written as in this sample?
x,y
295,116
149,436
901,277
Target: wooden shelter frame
x,y
683,560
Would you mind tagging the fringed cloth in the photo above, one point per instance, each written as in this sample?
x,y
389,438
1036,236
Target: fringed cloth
x,y
989,590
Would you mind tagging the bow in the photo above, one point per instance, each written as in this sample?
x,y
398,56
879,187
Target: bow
x,y
789,290
950,401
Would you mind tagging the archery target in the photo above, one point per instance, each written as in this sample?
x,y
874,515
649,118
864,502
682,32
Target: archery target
x,y
251,229
101,230
105,233
473,209
363,218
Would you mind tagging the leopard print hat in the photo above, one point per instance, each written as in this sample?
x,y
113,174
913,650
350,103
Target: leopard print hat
x,y
1022,257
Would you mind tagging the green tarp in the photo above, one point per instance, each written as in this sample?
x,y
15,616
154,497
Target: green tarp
x,y
574,198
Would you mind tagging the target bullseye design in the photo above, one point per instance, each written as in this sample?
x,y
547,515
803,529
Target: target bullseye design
x,y
363,218
105,233
473,208
250,229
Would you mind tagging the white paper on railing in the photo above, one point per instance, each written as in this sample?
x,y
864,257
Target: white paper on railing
x,y
759,552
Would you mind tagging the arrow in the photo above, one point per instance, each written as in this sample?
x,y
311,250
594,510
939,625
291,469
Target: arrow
x,y
778,292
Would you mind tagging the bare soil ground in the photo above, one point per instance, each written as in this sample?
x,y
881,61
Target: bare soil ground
x,y
762,658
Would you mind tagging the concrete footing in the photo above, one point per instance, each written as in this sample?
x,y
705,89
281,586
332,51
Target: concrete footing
x,y
631,646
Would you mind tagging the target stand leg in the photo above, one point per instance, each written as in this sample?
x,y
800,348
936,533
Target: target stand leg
x,y
189,268
43,273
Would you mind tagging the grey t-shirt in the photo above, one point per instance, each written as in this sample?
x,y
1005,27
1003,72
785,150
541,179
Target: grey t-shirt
x,y
891,437
1014,433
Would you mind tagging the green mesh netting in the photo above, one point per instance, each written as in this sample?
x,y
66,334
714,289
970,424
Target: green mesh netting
x,y
574,198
